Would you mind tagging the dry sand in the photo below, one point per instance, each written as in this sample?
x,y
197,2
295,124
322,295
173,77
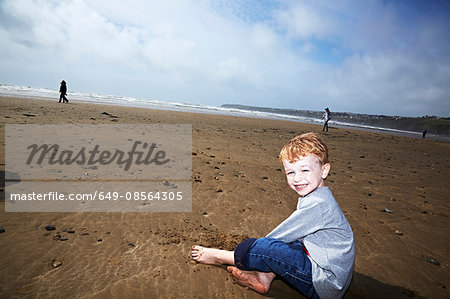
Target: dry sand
x,y
239,190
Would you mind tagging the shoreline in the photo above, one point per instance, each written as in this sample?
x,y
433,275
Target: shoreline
x,y
197,109
239,190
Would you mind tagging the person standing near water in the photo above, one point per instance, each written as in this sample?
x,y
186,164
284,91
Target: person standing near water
x,y
326,117
63,92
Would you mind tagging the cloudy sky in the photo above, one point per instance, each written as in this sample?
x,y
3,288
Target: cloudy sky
x,y
377,57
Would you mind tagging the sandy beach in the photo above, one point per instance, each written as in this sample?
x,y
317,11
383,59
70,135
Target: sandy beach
x,y
392,189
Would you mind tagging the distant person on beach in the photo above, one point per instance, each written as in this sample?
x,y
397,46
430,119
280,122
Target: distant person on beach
x,y
313,250
326,117
63,92
424,133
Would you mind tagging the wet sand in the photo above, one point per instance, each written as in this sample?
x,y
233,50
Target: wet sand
x,y
239,190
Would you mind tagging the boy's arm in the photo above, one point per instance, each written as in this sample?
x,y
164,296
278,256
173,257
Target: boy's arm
x,y
299,224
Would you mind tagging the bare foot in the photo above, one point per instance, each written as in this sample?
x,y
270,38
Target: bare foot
x,y
212,256
258,281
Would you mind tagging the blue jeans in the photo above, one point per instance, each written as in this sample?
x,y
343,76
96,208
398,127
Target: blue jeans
x,y
287,260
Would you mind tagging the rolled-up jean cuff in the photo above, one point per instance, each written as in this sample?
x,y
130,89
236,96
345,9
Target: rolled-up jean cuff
x,y
241,253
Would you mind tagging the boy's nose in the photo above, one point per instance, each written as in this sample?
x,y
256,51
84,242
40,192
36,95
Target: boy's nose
x,y
298,177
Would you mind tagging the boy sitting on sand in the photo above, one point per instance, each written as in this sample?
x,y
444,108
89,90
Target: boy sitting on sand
x,y
313,249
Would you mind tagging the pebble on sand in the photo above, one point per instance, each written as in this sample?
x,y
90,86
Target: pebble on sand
x,y
432,260
50,227
2,229
56,264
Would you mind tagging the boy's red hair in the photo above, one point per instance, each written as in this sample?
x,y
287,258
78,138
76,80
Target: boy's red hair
x,y
303,145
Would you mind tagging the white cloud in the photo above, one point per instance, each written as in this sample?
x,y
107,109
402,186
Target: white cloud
x,y
308,47
201,52
304,21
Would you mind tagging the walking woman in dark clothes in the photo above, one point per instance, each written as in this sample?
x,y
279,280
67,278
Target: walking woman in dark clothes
x,y
63,92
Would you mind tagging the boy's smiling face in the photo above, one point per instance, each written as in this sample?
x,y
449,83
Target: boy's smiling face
x,y
306,174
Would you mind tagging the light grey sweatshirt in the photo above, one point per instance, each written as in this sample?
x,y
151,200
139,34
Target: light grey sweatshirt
x,y
320,224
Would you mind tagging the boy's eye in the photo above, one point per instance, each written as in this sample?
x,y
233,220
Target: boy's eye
x,y
289,172
305,170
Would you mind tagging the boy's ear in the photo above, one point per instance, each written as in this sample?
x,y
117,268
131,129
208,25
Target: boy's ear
x,y
325,170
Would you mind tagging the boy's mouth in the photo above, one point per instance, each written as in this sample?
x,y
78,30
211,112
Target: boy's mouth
x,y
300,187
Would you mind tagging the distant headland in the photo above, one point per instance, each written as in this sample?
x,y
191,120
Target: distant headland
x,y
433,125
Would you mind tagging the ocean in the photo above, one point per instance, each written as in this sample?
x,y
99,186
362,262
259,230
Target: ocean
x,y
46,93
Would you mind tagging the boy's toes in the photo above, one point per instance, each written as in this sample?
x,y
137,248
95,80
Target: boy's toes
x,y
196,253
